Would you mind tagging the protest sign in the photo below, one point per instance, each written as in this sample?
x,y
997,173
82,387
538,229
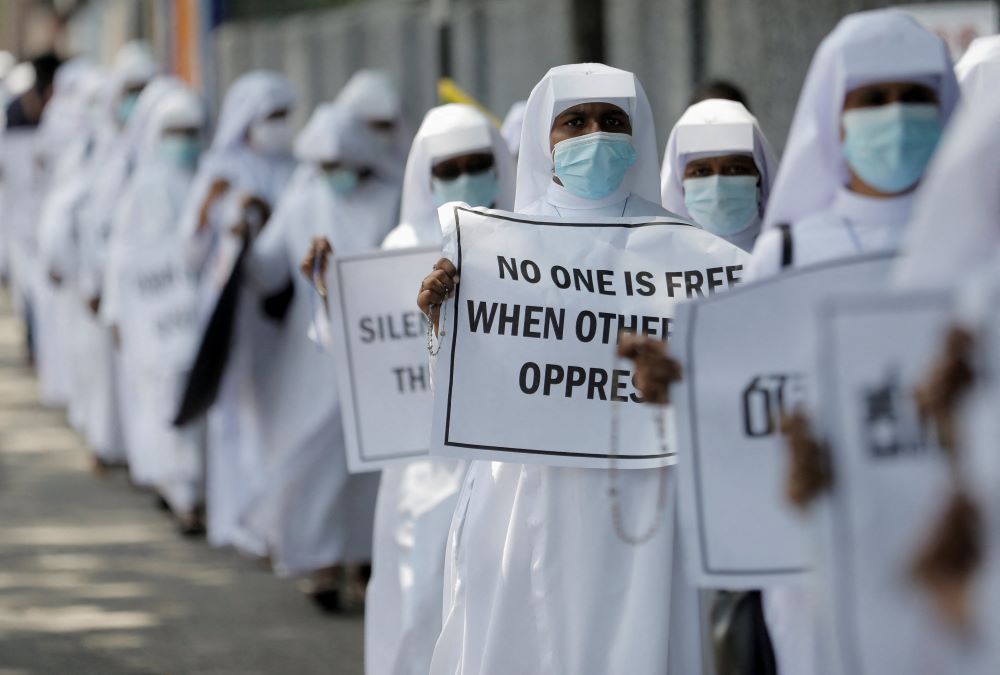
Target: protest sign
x,y
158,314
747,358
527,370
379,339
891,485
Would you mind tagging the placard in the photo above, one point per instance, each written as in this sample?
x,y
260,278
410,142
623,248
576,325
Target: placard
x,y
527,371
747,359
379,339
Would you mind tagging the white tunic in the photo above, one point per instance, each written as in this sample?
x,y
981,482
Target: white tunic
x,y
854,225
536,578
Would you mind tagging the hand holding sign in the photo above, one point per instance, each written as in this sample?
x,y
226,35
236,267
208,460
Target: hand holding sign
x,y
313,266
437,287
654,369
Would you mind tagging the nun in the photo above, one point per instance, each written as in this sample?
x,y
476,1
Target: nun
x,y
240,178
146,228
978,71
537,579
372,98
718,169
867,123
457,155
315,517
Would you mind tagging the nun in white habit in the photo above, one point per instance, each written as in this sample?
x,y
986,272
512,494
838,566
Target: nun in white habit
x,y
536,578
457,155
978,71
718,170
246,169
877,96
147,225
372,98
315,517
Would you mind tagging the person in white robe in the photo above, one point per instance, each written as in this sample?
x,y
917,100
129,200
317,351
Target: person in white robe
x,y
156,342
239,180
457,155
372,97
866,125
718,169
537,578
314,516
978,71
104,408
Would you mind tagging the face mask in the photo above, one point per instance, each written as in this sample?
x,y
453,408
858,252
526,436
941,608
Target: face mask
x,y
475,189
593,166
342,181
889,146
723,205
271,137
126,107
181,152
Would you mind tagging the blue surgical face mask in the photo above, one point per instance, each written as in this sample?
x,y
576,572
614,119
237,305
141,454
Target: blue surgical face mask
x,y
343,181
475,189
126,107
889,146
723,205
593,166
182,152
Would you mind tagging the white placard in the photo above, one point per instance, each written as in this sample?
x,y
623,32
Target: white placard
x,y
527,371
891,484
159,307
958,23
747,357
379,339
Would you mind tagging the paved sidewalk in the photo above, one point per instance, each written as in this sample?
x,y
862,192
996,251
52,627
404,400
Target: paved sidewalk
x,y
94,580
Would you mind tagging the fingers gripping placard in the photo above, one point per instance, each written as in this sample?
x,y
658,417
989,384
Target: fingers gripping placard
x,y
527,371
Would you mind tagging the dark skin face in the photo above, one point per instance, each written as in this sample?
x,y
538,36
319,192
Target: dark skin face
x,y
453,167
189,133
588,118
363,171
879,94
383,126
722,165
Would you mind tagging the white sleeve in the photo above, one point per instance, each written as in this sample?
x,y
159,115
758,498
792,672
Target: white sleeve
x,y
765,260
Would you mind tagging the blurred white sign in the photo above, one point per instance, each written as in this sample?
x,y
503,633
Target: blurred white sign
x,y
958,23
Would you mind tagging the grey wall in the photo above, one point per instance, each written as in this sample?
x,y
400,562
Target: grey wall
x,y
502,47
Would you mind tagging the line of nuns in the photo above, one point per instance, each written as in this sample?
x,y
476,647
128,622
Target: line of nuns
x,y
464,567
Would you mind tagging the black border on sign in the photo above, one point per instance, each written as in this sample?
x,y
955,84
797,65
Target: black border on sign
x,y
454,338
340,264
706,568
843,533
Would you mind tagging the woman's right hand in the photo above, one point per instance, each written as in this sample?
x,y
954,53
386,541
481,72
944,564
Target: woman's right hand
x,y
313,266
218,189
437,287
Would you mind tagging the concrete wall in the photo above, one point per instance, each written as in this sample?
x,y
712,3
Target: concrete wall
x,y
501,48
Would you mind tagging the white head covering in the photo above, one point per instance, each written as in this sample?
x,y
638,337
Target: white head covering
x,y
333,133
978,70
881,45
177,107
371,95
134,65
448,131
251,98
709,128
137,130
511,127
564,87
956,224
